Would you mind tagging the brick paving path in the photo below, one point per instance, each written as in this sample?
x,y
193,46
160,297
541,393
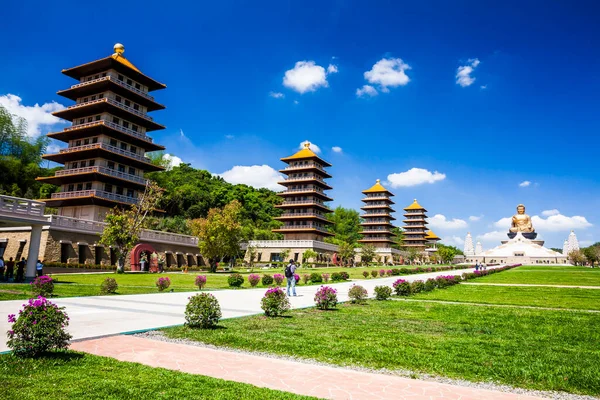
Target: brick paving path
x,y
289,376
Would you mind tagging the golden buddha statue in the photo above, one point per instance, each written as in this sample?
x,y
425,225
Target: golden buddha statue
x,y
521,222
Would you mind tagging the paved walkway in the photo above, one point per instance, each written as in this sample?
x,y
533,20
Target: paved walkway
x,y
97,316
289,376
532,285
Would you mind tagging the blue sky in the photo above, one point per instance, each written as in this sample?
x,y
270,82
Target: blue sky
x,y
524,108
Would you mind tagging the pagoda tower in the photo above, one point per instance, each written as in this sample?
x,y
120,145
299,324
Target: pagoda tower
x,y
572,242
414,226
105,161
469,249
478,249
304,209
432,239
377,219
565,250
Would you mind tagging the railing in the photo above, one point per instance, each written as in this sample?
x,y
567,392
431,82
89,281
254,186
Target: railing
x,y
106,147
371,214
115,79
168,237
113,102
303,190
22,207
376,205
304,178
304,214
310,165
307,226
102,170
112,125
283,244
96,193
308,202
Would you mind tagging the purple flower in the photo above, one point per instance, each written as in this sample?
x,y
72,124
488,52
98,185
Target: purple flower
x,y
12,318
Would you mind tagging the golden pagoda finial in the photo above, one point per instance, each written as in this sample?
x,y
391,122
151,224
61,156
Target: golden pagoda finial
x,y
415,200
119,49
377,181
307,144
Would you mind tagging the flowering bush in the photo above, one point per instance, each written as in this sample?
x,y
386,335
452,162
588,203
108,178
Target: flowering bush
x,y
395,271
382,272
163,283
430,284
253,279
267,280
325,277
275,302
316,278
278,279
344,275
402,287
202,311
357,294
340,276
297,278
235,280
42,285
374,274
417,287
326,298
109,286
443,281
40,327
366,274
200,281
383,292
305,278
389,272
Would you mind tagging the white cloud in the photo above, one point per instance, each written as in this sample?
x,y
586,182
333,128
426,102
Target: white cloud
x,y
549,213
181,134
494,236
414,177
336,149
174,161
229,137
332,69
296,102
388,72
553,223
440,221
525,184
306,76
53,148
475,218
585,243
276,95
258,176
483,87
37,116
453,241
463,73
366,90
312,146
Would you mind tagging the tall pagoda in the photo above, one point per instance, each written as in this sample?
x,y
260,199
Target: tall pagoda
x,y
304,209
105,161
415,231
377,219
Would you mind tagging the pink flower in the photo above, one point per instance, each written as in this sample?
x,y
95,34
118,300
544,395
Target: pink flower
x,y
12,318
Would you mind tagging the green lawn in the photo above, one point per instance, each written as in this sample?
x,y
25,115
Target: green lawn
x,y
538,349
546,275
70,285
70,375
587,299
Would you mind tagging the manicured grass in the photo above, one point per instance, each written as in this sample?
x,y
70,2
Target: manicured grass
x,y
539,349
546,275
70,375
587,299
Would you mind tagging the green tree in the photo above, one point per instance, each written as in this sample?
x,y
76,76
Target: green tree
x,y
398,239
309,255
346,225
368,253
412,254
592,253
577,257
346,253
251,254
446,253
284,254
123,226
219,233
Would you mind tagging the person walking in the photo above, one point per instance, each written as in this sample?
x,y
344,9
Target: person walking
x,y
21,269
39,267
10,269
290,270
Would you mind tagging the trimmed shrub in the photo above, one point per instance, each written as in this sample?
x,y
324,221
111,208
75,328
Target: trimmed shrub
x,y
163,283
357,294
382,272
275,302
200,281
344,275
305,278
389,272
326,298
336,277
402,287
316,278
42,285
202,311
366,274
109,286
374,274
253,279
278,279
417,287
383,292
395,271
267,280
430,285
39,328
235,280
325,277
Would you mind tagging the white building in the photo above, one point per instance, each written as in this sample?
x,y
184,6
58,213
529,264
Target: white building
x,y
469,250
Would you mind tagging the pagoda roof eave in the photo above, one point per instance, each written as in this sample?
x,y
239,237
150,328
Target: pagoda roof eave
x,y
99,152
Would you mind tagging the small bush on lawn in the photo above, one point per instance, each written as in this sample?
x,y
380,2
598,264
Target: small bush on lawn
x,y
163,283
316,278
253,279
389,272
278,279
417,287
357,294
109,286
202,311
326,298
275,302
267,280
383,292
344,276
366,274
444,281
39,328
305,278
325,277
402,287
430,285
395,271
235,280
42,285
374,274
200,281
382,272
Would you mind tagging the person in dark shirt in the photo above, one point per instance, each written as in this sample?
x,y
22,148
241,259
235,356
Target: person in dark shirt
x,y
10,269
21,269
